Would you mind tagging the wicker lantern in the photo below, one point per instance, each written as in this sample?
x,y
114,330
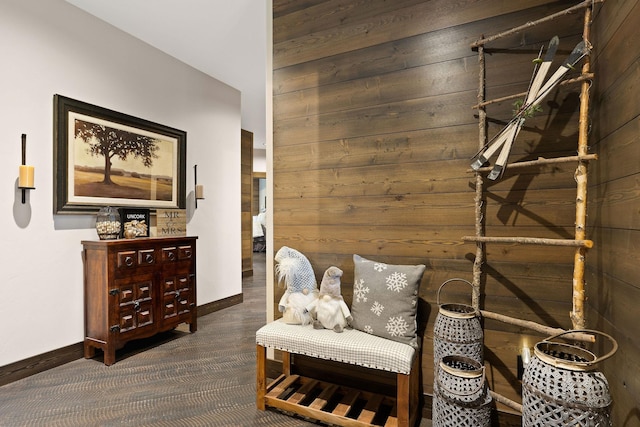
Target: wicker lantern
x,y
560,386
457,330
461,396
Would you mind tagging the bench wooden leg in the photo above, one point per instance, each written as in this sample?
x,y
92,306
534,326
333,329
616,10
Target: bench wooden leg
x,y
286,363
261,376
407,399
403,399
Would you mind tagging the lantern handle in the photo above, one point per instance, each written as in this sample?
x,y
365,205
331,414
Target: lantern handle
x,y
482,382
449,281
598,359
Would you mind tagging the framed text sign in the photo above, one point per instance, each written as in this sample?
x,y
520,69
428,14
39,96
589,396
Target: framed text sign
x,y
171,222
103,157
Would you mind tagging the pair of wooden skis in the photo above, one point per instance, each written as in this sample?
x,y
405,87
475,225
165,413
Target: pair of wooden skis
x,y
535,94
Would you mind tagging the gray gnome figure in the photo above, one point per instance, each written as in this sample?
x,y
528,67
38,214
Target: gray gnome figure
x,y
295,270
330,310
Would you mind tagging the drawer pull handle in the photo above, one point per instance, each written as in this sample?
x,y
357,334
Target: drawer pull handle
x,y
148,259
171,256
113,292
187,253
128,261
177,294
115,328
136,306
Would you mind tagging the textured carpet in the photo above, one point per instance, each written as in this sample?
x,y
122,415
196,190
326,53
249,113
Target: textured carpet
x,y
175,379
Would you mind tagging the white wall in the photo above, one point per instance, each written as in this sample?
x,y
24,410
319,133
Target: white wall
x,y
259,160
50,47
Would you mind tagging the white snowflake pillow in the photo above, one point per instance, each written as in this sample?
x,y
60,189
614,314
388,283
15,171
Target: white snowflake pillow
x,y
385,299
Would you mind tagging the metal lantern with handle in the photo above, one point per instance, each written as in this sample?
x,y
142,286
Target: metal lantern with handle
x,y
460,394
561,387
457,330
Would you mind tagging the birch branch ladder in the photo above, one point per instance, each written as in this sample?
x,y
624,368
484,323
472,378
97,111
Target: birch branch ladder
x,y
580,242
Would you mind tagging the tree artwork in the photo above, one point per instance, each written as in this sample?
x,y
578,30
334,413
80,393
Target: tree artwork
x,y
115,143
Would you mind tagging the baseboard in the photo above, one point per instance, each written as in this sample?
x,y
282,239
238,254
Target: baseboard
x,y
45,361
42,362
218,305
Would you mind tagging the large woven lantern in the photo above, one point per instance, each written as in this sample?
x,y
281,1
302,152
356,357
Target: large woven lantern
x,y
561,387
457,330
461,396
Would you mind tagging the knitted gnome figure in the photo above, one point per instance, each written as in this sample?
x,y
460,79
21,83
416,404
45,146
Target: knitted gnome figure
x,y
294,269
331,312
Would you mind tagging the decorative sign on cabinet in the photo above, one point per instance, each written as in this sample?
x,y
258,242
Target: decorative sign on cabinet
x,y
135,288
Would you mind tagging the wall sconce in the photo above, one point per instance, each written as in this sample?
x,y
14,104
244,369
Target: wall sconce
x,y
26,177
199,188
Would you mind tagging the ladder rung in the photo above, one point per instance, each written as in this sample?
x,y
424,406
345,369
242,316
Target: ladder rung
x,y
531,241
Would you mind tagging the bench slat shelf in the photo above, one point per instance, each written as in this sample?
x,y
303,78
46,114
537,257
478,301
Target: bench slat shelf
x,y
324,401
333,403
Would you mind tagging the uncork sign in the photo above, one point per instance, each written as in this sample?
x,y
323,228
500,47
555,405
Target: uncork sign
x,y
171,222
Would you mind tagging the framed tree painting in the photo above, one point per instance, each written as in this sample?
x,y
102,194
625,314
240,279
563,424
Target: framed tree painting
x,y
104,157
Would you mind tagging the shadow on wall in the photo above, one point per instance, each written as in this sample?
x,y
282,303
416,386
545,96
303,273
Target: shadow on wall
x,y
21,211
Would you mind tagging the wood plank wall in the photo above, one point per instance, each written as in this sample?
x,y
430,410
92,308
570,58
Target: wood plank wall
x,y
373,132
614,207
246,184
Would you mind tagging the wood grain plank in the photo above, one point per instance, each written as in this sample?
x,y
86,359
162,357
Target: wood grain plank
x,y
620,101
396,24
511,72
302,392
423,209
617,203
284,7
432,112
617,46
418,178
282,386
323,398
618,153
371,409
346,403
619,250
451,43
427,243
329,13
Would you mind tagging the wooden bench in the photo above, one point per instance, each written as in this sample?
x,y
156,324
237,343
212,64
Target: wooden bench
x,y
332,403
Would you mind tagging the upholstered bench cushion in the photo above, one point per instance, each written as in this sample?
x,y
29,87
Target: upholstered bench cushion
x,y
350,346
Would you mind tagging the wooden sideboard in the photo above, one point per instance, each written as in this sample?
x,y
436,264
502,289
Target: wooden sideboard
x,y
135,288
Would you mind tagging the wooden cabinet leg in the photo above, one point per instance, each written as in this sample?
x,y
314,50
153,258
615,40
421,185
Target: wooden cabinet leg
x,y
89,350
109,355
